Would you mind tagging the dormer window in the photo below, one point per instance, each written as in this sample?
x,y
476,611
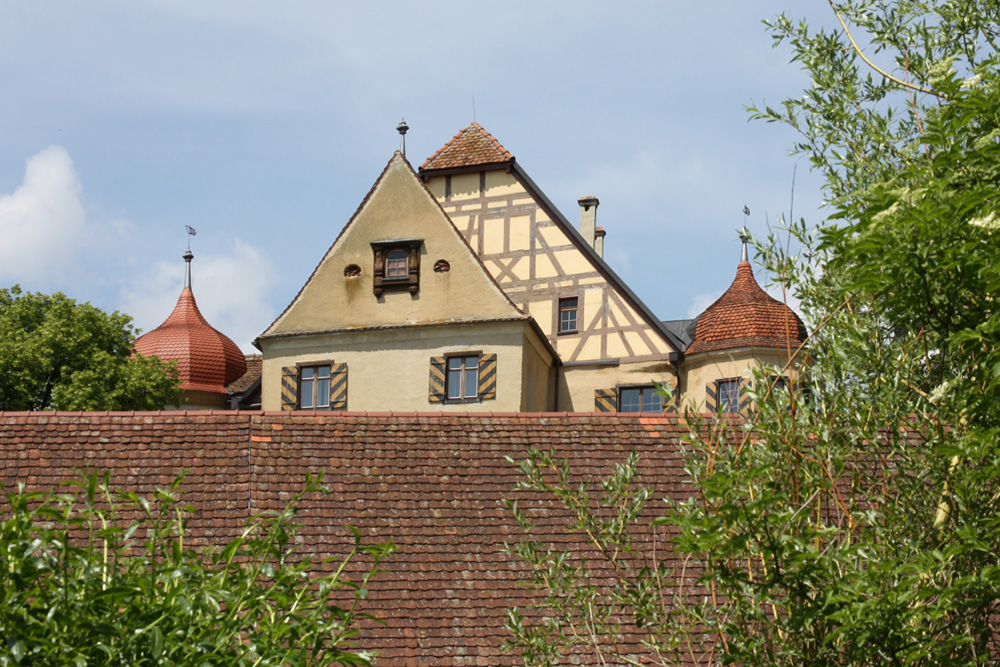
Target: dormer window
x,y
397,266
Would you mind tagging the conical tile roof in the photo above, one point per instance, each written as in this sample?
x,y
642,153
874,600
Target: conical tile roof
x,y
747,316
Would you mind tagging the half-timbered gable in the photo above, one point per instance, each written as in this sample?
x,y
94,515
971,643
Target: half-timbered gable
x,y
401,314
605,336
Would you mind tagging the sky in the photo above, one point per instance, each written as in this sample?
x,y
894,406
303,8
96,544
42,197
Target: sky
x,y
264,124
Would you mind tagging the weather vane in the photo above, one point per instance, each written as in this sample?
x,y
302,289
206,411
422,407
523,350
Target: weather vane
x,y
191,232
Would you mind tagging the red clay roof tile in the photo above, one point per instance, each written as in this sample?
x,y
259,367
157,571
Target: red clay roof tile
x,y
207,360
432,482
747,316
472,146
255,366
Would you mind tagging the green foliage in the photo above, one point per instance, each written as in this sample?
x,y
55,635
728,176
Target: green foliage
x,y
585,601
855,523
82,585
58,354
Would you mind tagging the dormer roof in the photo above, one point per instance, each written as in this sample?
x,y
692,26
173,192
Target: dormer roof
x,y
746,316
471,147
207,359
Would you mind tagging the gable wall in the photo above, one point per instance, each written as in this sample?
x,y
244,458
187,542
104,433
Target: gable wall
x,y
536,263
398,208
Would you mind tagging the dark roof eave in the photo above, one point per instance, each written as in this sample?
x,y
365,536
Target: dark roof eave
x,y
602,266
427,174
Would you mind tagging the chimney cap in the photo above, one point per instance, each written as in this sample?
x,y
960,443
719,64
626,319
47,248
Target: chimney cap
x,y
588,200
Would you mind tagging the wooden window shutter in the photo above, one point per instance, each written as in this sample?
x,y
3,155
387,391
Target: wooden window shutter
x,y
338,386
289,388
487,377
437,382
606,400
711,398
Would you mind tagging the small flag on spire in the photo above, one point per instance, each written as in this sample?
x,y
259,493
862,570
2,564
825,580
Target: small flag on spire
x,y
191,230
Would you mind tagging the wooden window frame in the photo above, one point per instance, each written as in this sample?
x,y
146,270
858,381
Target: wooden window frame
x,y
315,383
462,375
563,307
410,281
736,401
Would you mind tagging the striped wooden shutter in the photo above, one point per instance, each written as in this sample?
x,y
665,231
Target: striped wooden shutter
x,y
289,388
606,400
711,397
338,386
437,383
744,400
487,377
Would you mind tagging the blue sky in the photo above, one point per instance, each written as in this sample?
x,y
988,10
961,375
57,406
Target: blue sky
x,y
263,125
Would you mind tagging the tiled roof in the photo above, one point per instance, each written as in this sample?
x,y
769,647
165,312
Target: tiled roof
x,y
472,146
434,483
207,359
255,366
746,316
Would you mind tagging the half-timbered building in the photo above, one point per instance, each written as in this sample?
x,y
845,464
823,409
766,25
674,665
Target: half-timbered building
x,y
461,287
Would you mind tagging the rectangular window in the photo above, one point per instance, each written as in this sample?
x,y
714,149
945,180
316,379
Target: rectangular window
x,y
728,393
314,387
568,309
462,382
639,399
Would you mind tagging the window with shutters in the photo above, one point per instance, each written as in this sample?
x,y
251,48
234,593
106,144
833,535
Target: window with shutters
x,y
463,378
314,387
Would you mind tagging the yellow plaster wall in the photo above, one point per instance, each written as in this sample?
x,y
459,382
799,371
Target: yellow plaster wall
x,y
700,370
399,208
577,384
539,375
465,186
501,183
390,369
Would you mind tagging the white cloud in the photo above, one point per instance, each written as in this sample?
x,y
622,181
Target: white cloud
x,y
43,222
701,302
231,290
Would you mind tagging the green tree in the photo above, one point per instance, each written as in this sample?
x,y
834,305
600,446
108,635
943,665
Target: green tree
x,y
83,583
860,526
56,354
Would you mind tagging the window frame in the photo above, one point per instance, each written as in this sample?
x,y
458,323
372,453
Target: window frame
x,y
315,384
409,280
463,376
735,383
642,389
564,307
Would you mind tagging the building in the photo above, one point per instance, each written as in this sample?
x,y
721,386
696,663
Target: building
x,y
461,287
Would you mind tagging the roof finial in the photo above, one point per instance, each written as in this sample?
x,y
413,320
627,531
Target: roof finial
x,y
744,235
188,256
402,128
